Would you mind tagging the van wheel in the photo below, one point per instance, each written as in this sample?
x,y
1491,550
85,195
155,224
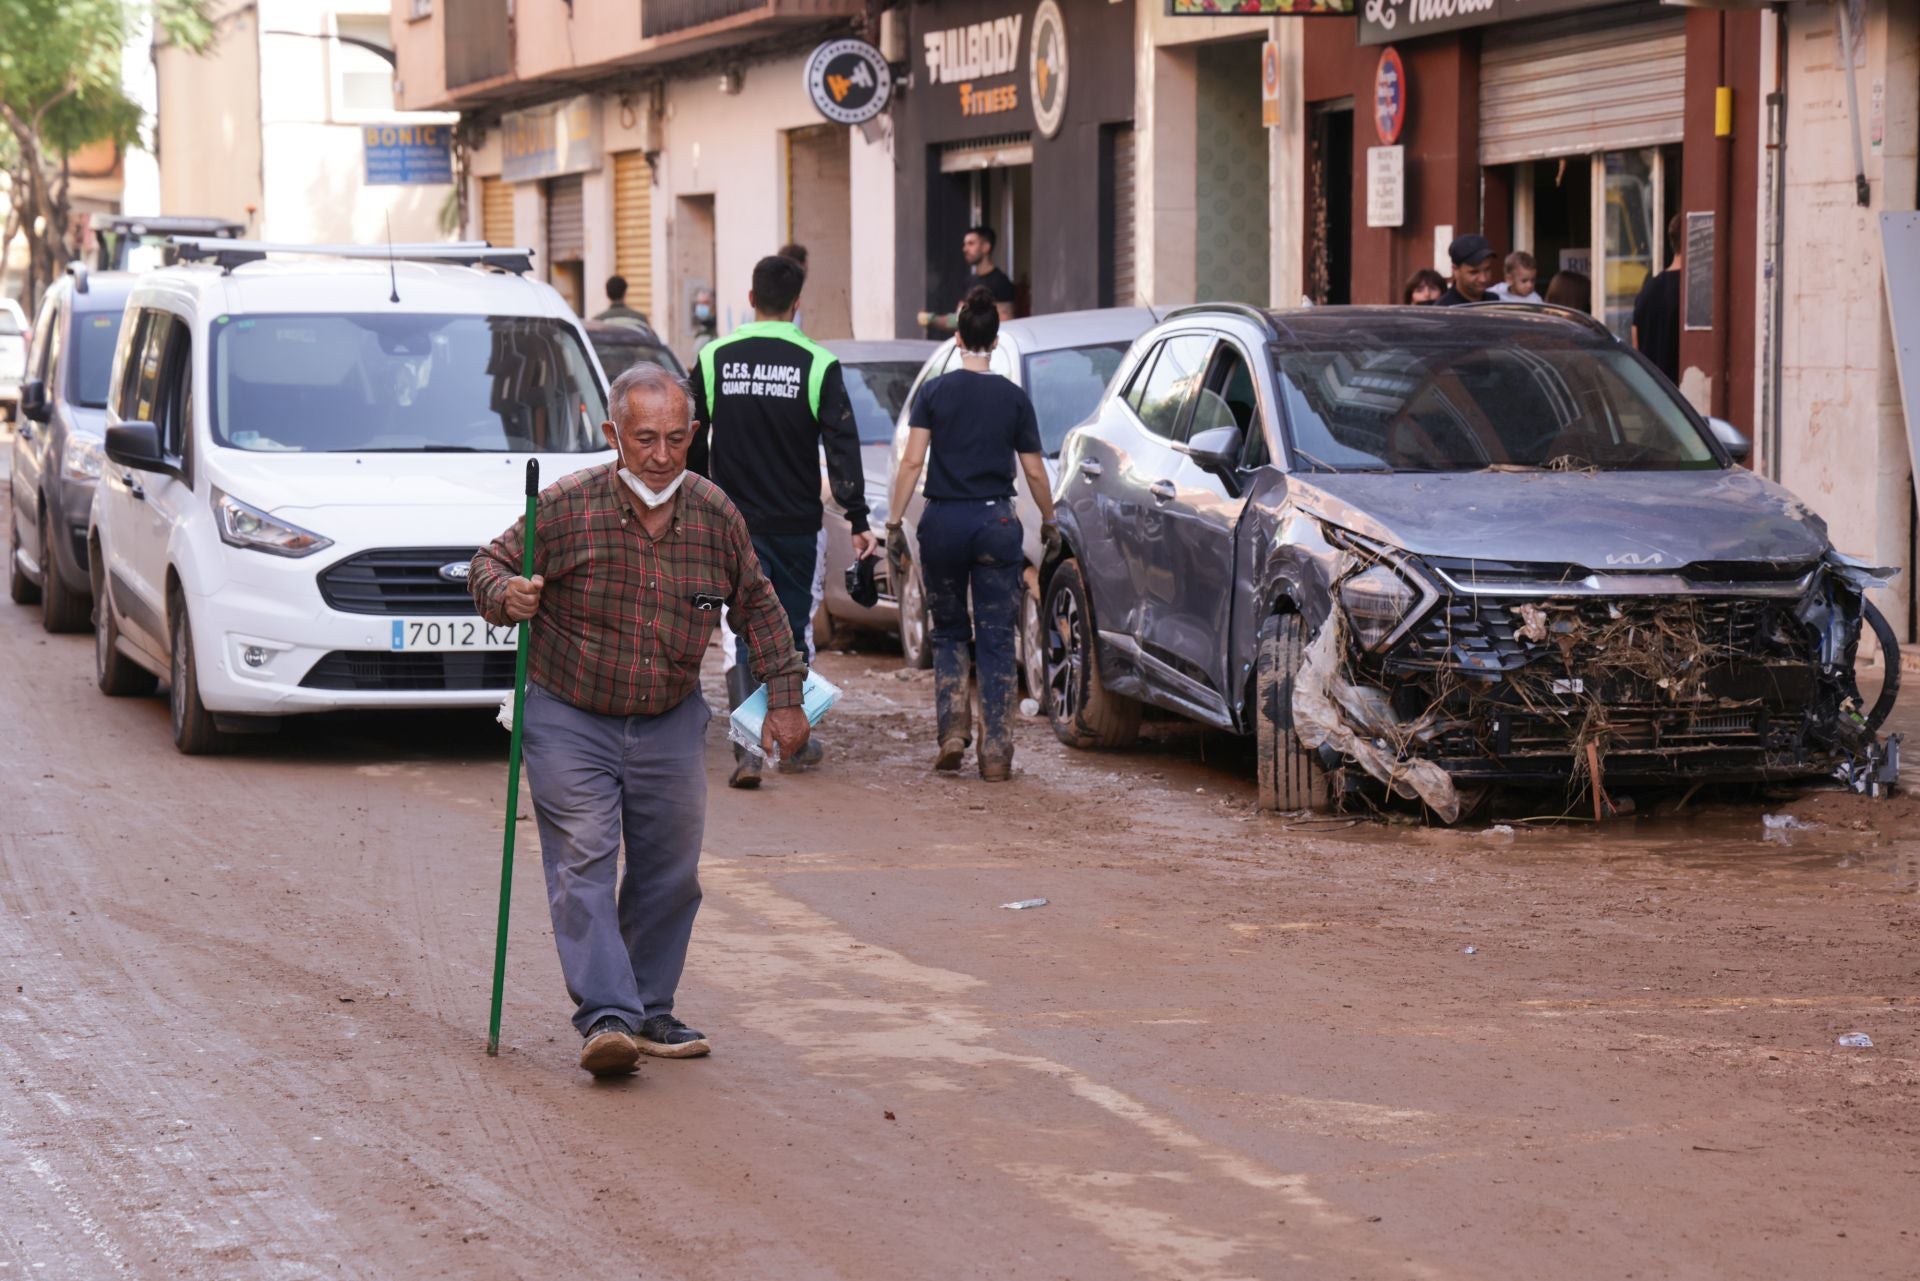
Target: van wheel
x,y
916,624
1033,648
1291,779
827,631
117,675
1083,711
193,729
23,589
65,609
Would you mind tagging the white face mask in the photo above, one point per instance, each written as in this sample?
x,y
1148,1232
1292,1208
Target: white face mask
x,y
651,497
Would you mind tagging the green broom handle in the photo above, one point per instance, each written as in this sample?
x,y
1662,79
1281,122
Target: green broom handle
x,y
513,769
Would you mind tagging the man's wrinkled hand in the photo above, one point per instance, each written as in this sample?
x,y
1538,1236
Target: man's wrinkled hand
x,y
522,600
787,727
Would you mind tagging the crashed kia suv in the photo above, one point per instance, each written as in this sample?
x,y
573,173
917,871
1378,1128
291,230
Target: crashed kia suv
x,y
1425,551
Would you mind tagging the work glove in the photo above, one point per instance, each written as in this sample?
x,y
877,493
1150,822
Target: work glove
x,y
897,557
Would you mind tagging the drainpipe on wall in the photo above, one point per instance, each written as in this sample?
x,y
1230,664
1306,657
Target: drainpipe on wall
x,y
1843,22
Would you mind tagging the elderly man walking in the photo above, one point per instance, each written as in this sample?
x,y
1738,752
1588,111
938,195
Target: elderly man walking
x,y
634,559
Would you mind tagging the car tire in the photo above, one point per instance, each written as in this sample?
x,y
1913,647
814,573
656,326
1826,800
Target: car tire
x,y
916,623
64,610
117,675
1084,712
23,589
1033,649
828,633
1291,779
194,732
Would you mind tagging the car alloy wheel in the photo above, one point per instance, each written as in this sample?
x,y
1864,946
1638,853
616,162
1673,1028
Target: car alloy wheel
x,y
916,643
1066,660
1033,649
1083,711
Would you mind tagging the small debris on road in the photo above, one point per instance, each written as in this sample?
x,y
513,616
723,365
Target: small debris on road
x,y
1470,950
1029,707
1855,1041
1021,905
890,1116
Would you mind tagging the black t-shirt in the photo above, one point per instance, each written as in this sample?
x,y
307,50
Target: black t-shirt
x,y
1454,298
1656,314
996,283
978,422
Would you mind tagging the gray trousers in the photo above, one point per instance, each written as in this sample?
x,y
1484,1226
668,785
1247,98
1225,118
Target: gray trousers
x,y
596,780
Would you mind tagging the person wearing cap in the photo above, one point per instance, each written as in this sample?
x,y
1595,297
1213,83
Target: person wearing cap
x,y
1472,257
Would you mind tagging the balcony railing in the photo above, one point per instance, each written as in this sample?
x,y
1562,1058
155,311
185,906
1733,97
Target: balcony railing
x,y
479,35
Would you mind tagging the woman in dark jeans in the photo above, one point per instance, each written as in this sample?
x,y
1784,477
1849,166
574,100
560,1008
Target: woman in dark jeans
x,y
976,425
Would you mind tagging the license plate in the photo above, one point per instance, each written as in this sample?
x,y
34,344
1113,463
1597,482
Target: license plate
x,y
423,635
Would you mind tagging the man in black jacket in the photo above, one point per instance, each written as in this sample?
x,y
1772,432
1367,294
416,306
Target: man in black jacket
x,y
767,397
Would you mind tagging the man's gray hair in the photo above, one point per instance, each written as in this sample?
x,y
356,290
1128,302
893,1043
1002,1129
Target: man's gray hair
x,y
652,377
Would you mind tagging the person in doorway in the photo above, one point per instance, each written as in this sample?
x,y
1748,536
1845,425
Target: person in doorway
x,y
1570,289
767,399
1472,258
977,248
1521,275
617,309
1656,312
705,321
974,425
1423,288
631,558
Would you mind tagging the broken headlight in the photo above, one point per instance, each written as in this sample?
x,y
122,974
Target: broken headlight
x,y
1376,601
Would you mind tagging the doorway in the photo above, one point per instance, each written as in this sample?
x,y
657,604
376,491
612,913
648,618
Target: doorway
x,y
820,216
986,183
1329,239
566,240
1232,246
693,247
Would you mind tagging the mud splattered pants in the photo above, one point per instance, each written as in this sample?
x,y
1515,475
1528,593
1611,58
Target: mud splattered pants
x,y
973,547
598,783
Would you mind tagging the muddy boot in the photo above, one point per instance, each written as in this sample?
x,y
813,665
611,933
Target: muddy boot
x,y
746,766
952,751
953,711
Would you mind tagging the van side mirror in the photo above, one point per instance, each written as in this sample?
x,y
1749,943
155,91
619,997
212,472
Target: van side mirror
x,y
33,400
136,445
1216,449
1731,439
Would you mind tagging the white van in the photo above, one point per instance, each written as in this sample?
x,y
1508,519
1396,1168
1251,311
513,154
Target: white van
x,y
304,453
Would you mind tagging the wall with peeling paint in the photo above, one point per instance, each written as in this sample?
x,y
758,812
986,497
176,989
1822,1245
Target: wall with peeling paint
x,y
1843,446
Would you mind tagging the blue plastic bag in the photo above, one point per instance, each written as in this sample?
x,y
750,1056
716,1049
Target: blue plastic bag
x,y
748,719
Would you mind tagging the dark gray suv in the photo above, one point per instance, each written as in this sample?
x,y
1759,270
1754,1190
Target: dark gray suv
x,y
57,452
1428,550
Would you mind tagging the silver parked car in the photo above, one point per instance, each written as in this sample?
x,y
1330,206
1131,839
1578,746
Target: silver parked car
x,y
878,376
1064,362
1433,550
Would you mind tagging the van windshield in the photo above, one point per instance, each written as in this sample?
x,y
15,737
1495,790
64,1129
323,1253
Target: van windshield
x,y
403,383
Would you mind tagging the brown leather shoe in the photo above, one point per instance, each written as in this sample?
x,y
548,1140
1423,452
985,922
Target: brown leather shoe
x,y
951,752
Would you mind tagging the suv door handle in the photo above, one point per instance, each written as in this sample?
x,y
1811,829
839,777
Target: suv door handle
x,y
134,489
1162,491
1090,468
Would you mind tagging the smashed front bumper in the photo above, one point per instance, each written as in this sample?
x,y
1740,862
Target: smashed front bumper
x,y
1558,675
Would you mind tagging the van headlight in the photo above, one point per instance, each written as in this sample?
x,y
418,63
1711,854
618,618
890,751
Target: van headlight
x,y
245,526
1376,601
85,458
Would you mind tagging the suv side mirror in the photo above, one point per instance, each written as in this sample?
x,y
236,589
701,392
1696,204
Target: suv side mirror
x,y
1731,439
1216,449
136,445
33,400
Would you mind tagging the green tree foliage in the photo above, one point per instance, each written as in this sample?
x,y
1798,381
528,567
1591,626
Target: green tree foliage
x,y
60,90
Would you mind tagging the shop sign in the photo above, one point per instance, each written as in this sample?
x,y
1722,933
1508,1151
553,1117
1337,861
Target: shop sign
x,y
1270,85
546,142
1261,8
1047,68
979,51
1389,97
408,155
1386,186
1384,20
849,81
1698,276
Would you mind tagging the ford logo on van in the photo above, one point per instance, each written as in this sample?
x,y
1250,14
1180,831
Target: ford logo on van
x,y
456,571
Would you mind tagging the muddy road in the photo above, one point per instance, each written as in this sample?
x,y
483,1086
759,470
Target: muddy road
x,y
244,1006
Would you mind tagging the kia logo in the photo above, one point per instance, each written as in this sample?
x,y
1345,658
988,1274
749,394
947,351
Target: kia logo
x,y
456,571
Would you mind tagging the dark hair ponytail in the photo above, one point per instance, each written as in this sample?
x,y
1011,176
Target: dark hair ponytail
x,y
979,319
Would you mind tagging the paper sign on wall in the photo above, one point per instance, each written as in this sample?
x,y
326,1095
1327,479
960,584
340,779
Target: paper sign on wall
x,y
1386,186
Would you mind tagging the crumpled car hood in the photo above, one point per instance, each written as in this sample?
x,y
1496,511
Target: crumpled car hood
x,y
1597,520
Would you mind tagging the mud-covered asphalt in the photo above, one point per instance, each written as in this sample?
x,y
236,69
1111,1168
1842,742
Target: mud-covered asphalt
x,y
244,1006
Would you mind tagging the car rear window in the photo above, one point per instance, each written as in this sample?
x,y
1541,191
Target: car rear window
x,y
384,383
878,390
1449,405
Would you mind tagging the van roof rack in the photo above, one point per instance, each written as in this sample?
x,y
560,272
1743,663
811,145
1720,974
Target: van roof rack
x,y
228,254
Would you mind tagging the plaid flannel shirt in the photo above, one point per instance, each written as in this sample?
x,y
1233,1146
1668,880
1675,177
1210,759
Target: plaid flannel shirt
x,y
618,632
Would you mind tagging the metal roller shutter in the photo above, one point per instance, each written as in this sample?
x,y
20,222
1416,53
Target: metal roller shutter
x,y
1600,90
1125,291
566,220
633,227
496,213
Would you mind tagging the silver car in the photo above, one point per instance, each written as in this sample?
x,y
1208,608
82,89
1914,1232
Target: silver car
x,y
1428,551
1064,362
879,376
